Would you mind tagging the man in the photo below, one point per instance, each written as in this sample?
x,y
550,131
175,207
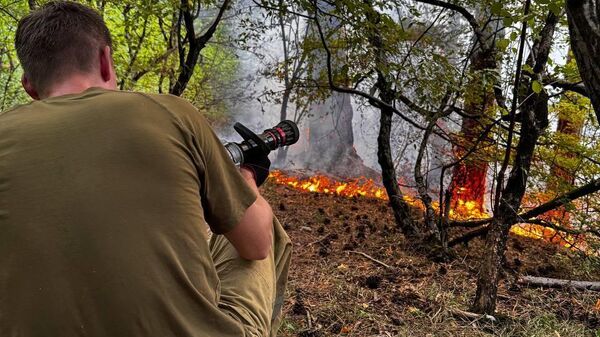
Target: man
x,y
104,200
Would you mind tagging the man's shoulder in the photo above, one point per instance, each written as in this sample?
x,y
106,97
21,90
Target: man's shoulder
x,y
166,100
175,105
15,108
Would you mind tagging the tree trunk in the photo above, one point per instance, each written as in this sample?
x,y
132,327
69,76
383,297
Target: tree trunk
x,y
534,119
384,151
571,118
388,173
331,138
584,30
282,152
331,135
468,185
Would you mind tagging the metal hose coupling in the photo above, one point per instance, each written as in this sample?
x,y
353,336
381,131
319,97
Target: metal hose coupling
x,y
283,134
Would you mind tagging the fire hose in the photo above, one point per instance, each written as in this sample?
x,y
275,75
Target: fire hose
x,y
283,134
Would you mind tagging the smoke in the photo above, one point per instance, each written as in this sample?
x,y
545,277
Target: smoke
x,y
258,109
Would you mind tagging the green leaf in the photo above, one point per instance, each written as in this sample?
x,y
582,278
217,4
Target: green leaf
x,y
496,8
527,68
536,86
502,44
507,21
556,8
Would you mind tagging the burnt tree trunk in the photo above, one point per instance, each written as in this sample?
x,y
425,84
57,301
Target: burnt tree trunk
x,y
533,120
469,176
282,152
571,119
331,137
569,128
584,31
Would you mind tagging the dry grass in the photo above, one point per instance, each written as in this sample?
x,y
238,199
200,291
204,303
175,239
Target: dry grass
x,y
333,291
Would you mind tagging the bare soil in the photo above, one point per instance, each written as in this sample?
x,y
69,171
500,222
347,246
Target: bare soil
x,y
334,290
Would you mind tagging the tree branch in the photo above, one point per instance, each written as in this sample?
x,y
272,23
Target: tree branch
x,y
196,44
592,187
577,87
466,14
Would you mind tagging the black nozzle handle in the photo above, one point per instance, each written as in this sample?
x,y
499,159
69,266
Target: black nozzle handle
x,y
248,135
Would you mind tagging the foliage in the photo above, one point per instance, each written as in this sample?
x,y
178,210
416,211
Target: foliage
x,y
145,35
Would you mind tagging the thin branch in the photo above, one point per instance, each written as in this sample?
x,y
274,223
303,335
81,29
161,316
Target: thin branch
x,y
371,258
577,87
465,13
512,113
371,98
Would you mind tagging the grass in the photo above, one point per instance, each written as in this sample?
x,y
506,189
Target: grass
x,y
333,292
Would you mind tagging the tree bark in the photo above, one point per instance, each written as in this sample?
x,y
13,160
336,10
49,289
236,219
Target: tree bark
x,y
534,119
584,30
469,176
388,173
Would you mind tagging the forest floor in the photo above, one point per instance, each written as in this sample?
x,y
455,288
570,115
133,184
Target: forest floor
x,y
334,290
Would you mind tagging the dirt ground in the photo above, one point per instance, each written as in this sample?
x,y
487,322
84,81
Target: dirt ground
x,y
353,274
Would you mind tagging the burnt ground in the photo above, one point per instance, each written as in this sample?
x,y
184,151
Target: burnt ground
x,y
333,290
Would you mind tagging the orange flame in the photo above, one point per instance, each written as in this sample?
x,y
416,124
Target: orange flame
x,y
363,187
321,184
461,209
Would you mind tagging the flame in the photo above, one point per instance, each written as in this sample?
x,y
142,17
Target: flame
x,y
321,184
460,209
559,216
363,187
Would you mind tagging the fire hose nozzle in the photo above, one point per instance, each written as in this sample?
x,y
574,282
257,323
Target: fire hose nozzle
x,y
283,134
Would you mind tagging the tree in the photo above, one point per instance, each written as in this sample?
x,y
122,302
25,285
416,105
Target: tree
x,y
584,28
468,185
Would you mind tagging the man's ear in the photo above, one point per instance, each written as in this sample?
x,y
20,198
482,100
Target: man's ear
x,y
28,86
107,71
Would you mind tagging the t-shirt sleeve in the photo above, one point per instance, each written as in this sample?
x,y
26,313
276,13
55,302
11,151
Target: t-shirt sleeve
x,y
224,193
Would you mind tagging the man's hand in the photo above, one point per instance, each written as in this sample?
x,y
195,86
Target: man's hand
x,y
258,164
253,236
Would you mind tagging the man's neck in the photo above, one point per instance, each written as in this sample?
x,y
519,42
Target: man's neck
x,y
76,84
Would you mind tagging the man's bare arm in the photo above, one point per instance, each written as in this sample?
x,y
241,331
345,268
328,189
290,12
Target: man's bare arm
x,y
253,236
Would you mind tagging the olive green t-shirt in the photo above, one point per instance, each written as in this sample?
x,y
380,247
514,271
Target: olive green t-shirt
x,y
105,197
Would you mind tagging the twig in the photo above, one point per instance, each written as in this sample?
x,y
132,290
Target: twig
x,y
372,259
308,319
472,315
